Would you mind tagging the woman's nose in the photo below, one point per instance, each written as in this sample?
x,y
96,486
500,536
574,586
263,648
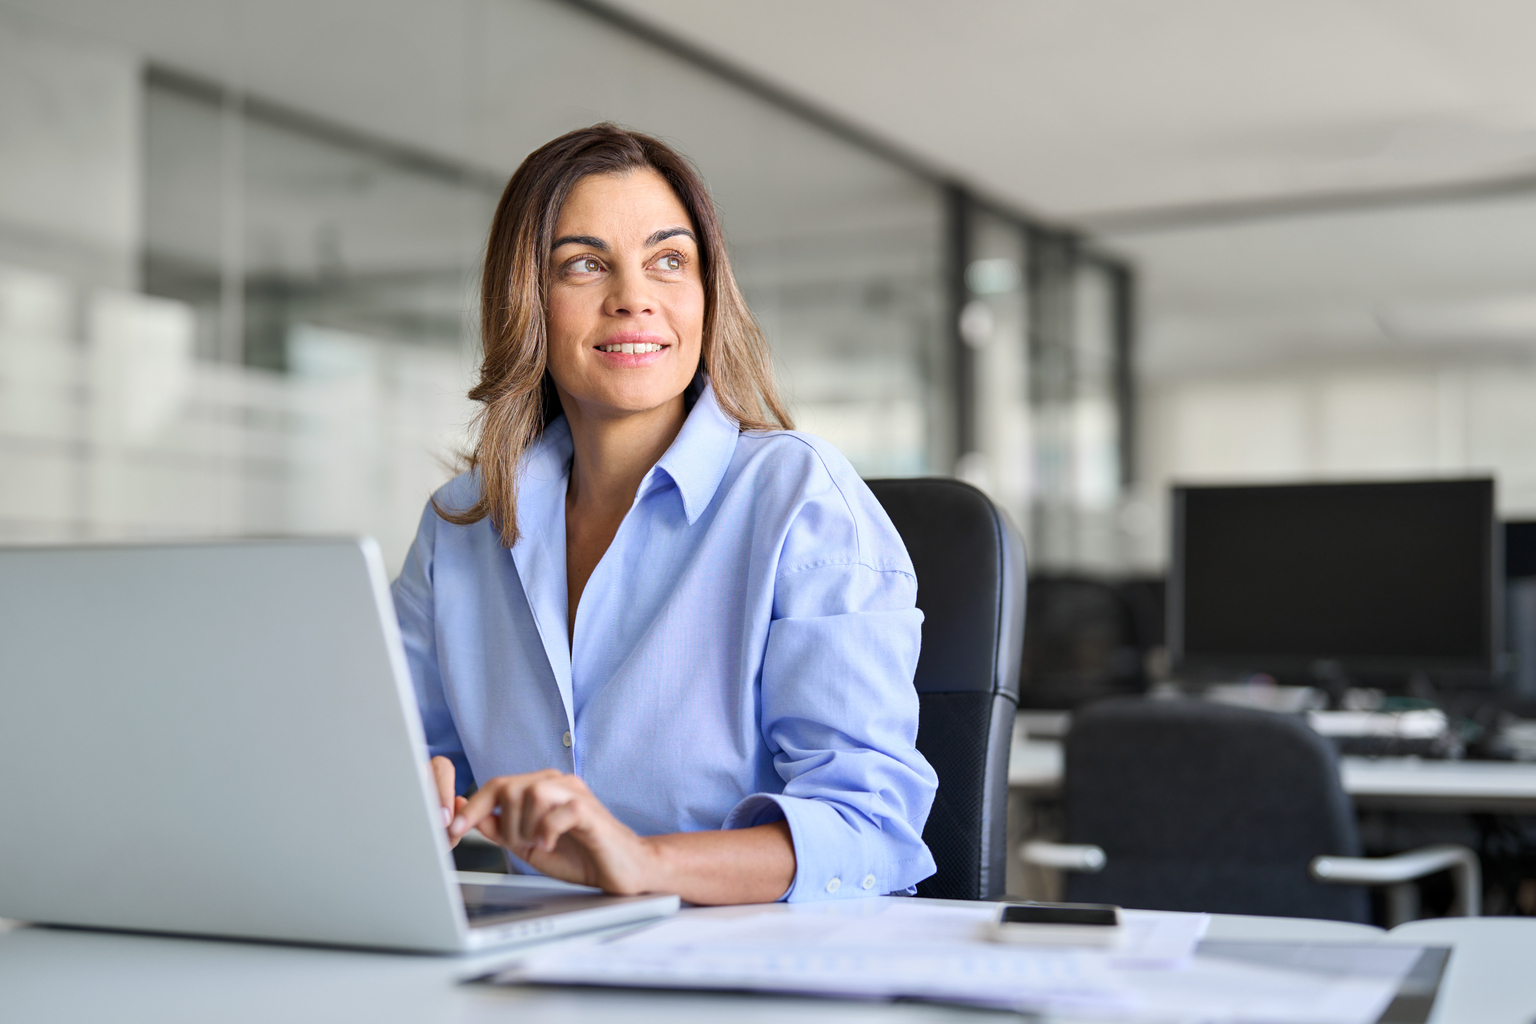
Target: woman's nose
x,y
629,294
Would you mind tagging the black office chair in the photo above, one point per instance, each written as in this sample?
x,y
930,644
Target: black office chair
x,y
971,589
1194,805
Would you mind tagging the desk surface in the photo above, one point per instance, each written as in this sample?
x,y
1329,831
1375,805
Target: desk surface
x,y
1509,786
66,976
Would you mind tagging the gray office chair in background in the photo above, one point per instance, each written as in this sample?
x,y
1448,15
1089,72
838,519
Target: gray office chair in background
x,y
971,589
1193,805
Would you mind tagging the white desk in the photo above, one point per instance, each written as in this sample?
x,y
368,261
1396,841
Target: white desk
x,y
90,977
1404,782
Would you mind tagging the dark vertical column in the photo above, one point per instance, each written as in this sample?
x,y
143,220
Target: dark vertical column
x,y
1035,275
962,362
1123,280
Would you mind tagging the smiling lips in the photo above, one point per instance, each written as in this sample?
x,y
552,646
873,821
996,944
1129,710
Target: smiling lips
x,y
631,347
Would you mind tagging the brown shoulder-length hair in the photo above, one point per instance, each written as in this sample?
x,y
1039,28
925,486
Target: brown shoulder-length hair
x,y
517,395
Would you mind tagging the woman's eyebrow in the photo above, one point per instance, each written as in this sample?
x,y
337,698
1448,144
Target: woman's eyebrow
x,y
590,241
666,233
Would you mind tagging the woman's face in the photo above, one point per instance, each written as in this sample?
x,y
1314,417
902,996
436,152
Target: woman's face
x,y
626,296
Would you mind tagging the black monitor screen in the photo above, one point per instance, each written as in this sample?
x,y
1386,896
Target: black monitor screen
x,y
1519,550
1386,575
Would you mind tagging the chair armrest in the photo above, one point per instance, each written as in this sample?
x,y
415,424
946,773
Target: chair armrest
x,y
1063,856
1466,872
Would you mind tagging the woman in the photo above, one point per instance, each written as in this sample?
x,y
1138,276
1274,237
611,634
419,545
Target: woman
x,y
671,640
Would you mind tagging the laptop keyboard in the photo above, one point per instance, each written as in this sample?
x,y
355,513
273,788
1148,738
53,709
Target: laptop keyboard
x,y
483,901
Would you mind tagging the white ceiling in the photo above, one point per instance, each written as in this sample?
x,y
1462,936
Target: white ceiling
x,y
1080,109
1075,109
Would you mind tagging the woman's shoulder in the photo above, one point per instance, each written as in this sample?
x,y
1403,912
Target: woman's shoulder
x,y
796,460
822,496
459,493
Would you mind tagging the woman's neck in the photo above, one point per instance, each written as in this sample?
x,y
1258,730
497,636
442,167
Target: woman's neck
x,y
611,455
610,458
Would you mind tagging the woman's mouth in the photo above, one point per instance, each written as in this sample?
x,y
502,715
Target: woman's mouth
x,y
632,350
632,347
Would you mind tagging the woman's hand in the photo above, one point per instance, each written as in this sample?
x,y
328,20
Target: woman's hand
x,y
553,822
442,771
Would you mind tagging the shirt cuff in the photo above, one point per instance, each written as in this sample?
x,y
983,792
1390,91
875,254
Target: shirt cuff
x,y
834,859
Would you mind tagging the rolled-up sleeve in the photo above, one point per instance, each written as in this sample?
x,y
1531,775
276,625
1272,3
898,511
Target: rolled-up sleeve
x,y
839,714
412,593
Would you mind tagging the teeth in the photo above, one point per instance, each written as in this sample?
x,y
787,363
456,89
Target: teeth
x,y
631,347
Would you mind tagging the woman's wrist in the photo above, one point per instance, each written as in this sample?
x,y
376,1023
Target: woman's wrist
x,y
751,865
656,866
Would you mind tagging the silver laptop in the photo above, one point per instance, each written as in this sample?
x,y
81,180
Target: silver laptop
x,y
222,739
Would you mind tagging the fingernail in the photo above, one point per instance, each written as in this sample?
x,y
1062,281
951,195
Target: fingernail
x,y
457,825
447,817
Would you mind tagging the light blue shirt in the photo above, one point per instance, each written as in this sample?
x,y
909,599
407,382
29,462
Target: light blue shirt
x,y
743,652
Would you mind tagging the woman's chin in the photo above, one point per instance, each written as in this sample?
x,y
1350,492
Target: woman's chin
x,y
629,398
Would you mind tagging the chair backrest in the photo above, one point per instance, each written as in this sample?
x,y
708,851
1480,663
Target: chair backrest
x,y
1208,807
971,589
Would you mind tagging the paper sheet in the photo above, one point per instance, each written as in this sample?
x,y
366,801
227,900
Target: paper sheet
x,y
1158,939
928,950
1277,983
868,949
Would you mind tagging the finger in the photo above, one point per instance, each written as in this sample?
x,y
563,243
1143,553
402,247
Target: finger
x,y
443,773
481,806
557,823
539,800
504,792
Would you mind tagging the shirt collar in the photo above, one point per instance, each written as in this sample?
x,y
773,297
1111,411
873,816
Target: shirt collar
x,y
702,451
696,462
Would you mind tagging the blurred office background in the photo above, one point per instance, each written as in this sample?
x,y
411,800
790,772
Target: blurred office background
x,y
1069,253
1072,253
239,247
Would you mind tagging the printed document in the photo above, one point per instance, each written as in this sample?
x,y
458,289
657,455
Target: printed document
x,y
931,950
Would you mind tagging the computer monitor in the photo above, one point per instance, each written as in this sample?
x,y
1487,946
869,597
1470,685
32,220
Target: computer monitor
x,y
1377,577
1519,550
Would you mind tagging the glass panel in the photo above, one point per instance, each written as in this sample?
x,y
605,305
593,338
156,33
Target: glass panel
x,y
1095,423
340,275
994,325
1077,522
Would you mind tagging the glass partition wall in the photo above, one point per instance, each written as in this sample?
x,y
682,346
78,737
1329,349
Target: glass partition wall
x,y
1044,325
276,332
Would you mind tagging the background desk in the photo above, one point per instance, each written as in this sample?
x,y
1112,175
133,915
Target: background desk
x,y
89,977
1408,783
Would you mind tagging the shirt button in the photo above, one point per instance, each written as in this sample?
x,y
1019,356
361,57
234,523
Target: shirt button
x,y
834,885
566,739
869,881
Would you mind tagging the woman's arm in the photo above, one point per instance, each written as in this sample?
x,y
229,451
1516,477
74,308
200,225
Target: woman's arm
x,y
553,822
838,708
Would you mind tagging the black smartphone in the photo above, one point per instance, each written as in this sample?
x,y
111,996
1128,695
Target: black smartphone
x,y
1073,924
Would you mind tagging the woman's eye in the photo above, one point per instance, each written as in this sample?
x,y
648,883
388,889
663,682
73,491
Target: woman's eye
x,y
587,265
671,263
